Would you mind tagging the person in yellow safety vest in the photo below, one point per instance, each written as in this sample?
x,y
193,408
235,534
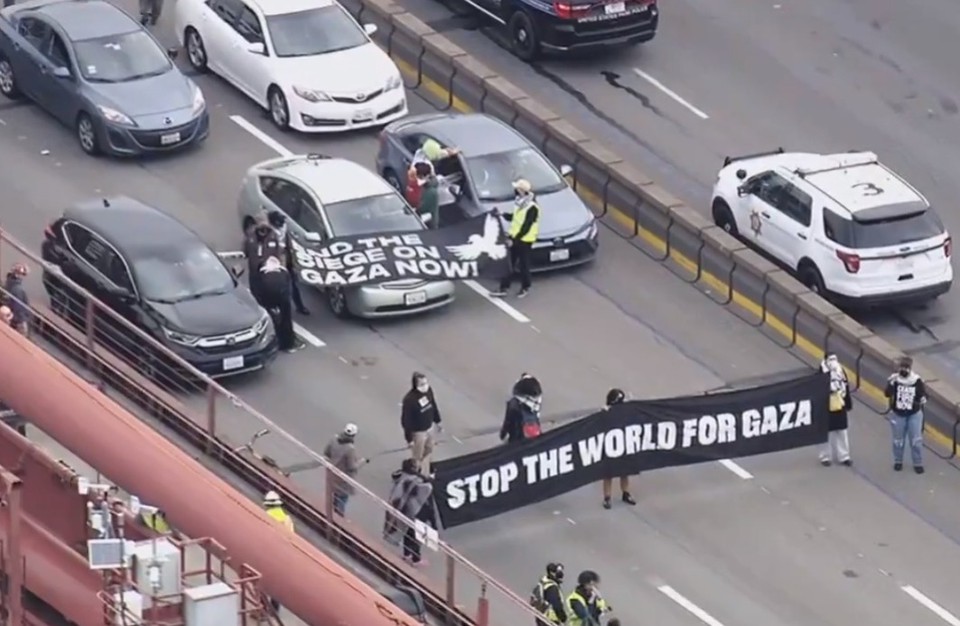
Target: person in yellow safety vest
x,y
523,232
156,520
584,605
547,597
274,508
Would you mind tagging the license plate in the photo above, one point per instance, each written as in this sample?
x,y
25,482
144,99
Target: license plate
x,y
363,116
614,8
172,138
232,363
561,254
415,298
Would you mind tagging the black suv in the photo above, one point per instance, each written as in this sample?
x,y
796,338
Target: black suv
x,y
537,26
160,276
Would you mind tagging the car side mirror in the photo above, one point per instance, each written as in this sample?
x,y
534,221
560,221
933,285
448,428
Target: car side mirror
x,y
743,190
61,72
312,237
257,48
173,53
566,170
370,29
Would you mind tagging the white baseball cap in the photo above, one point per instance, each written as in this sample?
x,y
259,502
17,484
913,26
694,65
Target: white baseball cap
x,y
350,430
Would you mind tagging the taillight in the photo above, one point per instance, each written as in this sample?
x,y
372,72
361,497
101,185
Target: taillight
x,y
948,247
569,11
850,261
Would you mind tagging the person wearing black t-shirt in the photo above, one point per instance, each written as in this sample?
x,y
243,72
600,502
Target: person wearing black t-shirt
x,y
907,395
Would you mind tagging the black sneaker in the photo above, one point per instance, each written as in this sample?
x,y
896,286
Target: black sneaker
x,y
825,462
848,463
498,293
303,311
628,499
897,467
523,293
606,503
918,469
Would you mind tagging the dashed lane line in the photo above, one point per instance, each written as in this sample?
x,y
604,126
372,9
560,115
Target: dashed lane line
x,y
671,93
935,608
688,605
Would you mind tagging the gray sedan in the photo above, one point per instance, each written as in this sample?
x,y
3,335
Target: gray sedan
x,y
98,71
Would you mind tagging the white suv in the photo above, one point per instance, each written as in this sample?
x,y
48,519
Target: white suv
x,y
852,229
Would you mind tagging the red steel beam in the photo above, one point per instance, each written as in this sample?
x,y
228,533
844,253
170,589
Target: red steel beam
x,y
106,436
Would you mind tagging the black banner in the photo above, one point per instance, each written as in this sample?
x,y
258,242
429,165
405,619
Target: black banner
x,y
470,249
630,438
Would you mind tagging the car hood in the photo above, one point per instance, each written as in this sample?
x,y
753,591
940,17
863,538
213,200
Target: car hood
x,y
148,96
370,69
563,213
211,315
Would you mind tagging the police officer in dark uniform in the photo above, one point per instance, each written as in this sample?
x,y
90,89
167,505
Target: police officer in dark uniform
x,y
279,223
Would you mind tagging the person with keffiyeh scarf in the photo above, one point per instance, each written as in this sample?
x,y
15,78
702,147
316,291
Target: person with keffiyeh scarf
x,y
521,420
837,447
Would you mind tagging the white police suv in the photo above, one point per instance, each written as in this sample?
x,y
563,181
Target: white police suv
x,y
852,229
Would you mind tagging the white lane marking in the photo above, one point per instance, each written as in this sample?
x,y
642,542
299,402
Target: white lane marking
x,y
497,302
938,610
264,138
307,336
656,83
689,606
736,469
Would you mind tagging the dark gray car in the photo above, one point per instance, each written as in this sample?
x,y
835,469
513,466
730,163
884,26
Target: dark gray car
x,y
97,70
480,178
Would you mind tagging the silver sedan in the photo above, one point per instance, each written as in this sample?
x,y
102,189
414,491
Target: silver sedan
x,y
319,195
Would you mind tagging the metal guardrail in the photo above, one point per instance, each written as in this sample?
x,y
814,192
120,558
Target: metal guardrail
x,y
84,333
655,222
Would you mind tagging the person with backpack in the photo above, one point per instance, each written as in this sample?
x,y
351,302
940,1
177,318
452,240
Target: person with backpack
x,y
616,396
521,421
547,597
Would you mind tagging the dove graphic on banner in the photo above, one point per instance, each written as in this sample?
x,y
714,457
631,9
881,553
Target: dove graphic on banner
x,y
478,245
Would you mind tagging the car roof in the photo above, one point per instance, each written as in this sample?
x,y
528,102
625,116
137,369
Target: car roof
x,y
131,226
85,19
282,7
475,134
331,179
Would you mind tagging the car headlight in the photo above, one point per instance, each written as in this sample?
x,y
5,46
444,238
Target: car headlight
x,y
264,324
394,83
198,100
182,338
115,116
311,95
592,230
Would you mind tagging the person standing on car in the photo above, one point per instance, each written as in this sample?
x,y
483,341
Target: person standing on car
x,y
522,234
278,221
342,453
521,420
419,414
616,396
907,394
837,447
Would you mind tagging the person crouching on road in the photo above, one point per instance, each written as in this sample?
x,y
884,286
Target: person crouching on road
x,y
837,447
616,396
907,394
275,285
411,495
278,221
585,606
419,415
522,234
521,420
342,453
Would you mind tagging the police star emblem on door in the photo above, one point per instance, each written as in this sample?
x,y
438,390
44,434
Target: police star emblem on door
x,y
755,224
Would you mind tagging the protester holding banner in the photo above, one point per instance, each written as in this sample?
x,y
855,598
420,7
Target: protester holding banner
x,y
907,394
521,420
616,396
419,415
523,232
410,495
837,448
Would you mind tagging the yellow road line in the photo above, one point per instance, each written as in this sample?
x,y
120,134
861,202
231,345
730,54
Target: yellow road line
x,y
713,282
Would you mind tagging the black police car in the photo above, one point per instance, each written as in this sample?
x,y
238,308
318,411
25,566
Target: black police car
x,y
161,277
537,26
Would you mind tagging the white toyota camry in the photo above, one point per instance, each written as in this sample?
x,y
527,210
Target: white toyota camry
x,y
307,62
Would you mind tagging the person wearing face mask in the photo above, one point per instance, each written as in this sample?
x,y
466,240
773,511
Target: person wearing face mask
x,y
907,394
522,234
419,416
614,397
837,448
278,221
521,420
585,605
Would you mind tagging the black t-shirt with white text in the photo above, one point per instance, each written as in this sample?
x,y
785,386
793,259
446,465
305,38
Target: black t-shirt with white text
x,y
906,394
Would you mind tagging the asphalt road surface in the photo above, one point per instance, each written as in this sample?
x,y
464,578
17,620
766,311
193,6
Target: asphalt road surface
x,y
774,540
727,78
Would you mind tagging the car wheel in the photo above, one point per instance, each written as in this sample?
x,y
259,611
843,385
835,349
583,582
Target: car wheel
x,y
8,80
723,217
393,180
196,52
87,135
279,111
810,277
337,301
523,36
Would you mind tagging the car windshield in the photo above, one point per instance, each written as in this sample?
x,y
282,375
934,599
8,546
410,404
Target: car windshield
x,y
175,273
376,214
493,174
317,31
897,231
121,58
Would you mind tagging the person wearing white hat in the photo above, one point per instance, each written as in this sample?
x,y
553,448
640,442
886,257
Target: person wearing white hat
x,y
522,234
342,454
273,505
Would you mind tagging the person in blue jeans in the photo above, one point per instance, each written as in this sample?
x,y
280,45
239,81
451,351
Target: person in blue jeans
x,y
907,394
